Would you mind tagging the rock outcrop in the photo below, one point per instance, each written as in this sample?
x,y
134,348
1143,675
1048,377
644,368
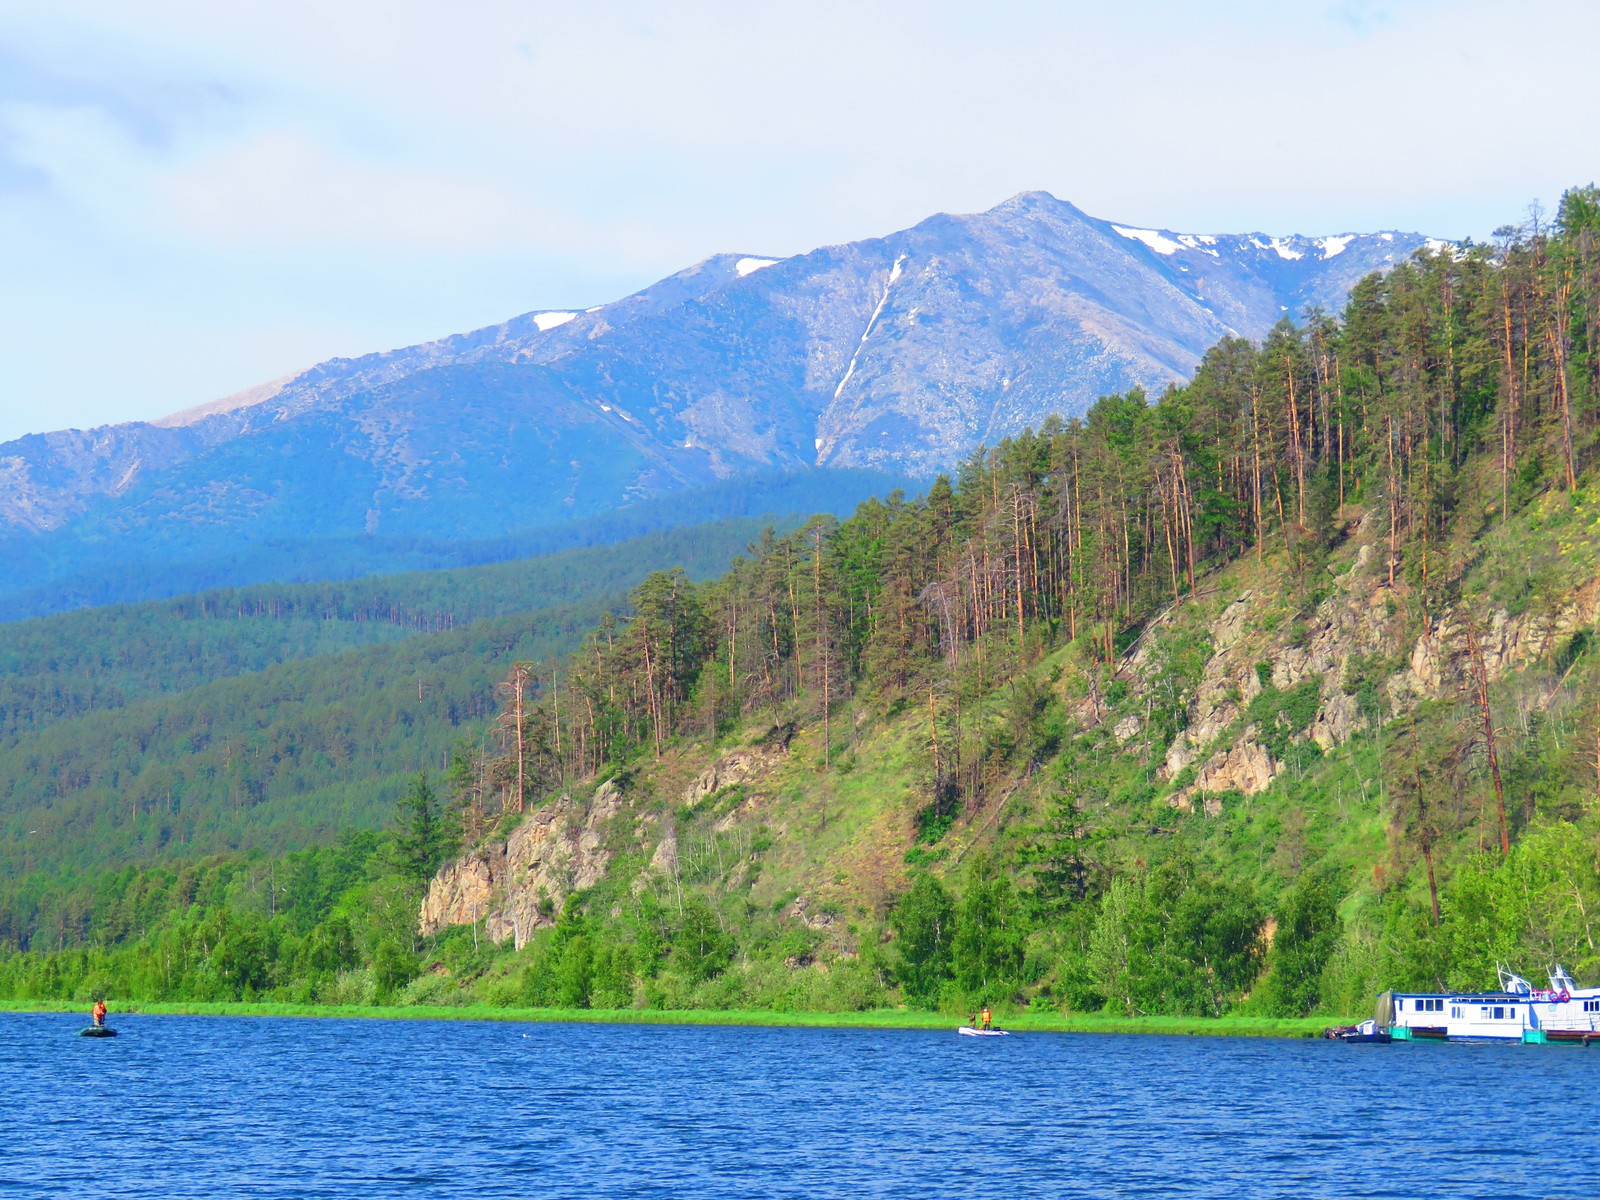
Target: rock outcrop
x,y
729,770
1360,616
518,885
1244,767
1438,659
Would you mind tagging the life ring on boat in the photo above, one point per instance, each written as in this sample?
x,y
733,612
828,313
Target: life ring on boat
x,y
1563,996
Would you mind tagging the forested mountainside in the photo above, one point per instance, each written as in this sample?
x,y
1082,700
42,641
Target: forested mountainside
x,y
898,354
278,715
111,562
1261,697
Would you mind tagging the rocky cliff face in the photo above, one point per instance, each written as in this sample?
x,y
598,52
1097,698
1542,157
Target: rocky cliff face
x,y
900,353
519,885
1221,750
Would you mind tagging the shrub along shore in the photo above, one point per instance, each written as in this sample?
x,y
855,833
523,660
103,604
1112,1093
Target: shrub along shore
x,y
883,1018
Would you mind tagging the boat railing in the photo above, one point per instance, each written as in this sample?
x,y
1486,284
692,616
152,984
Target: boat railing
x,y
1586,1023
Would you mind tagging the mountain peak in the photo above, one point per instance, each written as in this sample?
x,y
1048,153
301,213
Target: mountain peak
x,y
900,353
1032,201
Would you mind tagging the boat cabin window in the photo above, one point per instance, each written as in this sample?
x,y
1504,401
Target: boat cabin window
x,y
1499,1014
1456,1013
1591,1006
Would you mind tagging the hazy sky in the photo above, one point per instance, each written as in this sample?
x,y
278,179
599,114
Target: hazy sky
x,y
196,197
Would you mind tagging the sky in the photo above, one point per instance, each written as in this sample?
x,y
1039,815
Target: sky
x,y
198,197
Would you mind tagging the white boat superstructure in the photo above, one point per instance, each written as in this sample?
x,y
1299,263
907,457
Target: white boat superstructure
x,y
1516,1012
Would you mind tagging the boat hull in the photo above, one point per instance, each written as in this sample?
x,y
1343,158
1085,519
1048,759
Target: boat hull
x,y
1357,1035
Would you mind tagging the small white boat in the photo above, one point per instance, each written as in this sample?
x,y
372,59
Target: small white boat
x,y
969,1031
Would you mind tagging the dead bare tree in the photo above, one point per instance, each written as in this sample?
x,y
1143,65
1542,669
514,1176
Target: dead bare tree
x,y
514,722
1480,679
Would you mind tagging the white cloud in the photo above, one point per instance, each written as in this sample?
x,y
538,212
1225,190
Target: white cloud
x,y
283,190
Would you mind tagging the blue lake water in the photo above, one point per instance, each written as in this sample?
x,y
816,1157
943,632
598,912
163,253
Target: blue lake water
x,y
191,1107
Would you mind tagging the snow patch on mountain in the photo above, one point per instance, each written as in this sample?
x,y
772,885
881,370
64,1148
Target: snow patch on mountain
x,y
1279,246
1158,242
1335,245
1200,242
894,275
551,320
749,266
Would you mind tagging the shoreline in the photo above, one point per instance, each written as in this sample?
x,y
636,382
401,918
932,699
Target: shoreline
x,y
886,1018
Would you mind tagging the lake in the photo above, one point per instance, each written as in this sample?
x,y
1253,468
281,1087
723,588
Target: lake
x,y
254,1107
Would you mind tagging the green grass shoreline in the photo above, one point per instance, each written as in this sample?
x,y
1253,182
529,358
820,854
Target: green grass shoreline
x,y
889,1018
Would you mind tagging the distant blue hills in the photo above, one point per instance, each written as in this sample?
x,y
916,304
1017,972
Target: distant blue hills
x,y
740,386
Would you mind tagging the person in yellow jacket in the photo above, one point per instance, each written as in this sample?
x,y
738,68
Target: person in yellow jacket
x,y
985,1019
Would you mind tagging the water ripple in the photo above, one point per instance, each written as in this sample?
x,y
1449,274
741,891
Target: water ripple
x,y
212,1107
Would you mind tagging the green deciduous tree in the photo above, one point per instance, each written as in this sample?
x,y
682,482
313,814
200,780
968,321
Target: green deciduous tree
x,y
987,949
1308,930
923,920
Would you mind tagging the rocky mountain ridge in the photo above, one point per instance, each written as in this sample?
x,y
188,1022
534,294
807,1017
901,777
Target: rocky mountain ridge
x,y
901,354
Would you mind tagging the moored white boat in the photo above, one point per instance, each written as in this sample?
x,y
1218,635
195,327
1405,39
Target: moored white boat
x,y
1516,1012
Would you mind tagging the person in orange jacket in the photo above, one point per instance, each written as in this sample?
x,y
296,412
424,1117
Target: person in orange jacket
x,y
99,1012
986,1018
